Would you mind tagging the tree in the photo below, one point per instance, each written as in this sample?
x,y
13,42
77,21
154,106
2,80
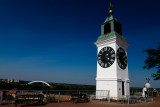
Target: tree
x,y
153,61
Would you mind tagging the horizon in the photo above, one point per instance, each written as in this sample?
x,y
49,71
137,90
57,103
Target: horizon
x,y
69,83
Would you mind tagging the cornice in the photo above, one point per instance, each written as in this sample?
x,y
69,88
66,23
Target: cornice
x,y
111,38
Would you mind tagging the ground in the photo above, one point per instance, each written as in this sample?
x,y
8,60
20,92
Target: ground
x,y
155,103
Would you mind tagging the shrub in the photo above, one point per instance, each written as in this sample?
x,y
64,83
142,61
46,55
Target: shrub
x,y
50,99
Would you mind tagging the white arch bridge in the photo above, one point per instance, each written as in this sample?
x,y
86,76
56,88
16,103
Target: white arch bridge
x,y
39,81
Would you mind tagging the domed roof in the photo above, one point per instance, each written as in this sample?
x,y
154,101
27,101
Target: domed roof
x,y
110,18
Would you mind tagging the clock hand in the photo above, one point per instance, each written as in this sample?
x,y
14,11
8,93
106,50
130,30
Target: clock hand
x,y
106,55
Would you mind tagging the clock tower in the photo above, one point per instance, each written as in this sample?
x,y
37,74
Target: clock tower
x,y
112,66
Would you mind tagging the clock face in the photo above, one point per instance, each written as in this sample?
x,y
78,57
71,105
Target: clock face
x,y
106,57
121,58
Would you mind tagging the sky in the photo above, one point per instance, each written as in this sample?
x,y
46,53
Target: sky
x,y
53,40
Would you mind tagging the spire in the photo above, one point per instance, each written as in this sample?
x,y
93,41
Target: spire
x,y
111,8
110,12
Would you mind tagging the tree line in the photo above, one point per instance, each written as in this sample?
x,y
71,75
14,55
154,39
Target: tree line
x,y
18,86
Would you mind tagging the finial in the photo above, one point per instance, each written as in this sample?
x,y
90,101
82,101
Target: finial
x,y
111,8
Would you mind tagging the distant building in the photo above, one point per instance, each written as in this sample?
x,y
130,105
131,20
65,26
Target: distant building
x,y
12,80
3,80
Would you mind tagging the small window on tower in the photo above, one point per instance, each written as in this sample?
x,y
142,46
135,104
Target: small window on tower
x,y
107,28
117,27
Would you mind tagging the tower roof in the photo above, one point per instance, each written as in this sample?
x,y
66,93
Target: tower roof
x,y
110,18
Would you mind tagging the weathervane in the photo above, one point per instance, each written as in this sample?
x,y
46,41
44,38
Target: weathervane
x,y
111,8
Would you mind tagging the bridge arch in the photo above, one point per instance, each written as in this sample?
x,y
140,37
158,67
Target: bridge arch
x,y
39,81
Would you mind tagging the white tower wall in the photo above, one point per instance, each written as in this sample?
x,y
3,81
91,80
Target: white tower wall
x,y
111,78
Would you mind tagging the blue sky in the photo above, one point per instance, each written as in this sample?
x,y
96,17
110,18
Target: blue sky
x,y
52,40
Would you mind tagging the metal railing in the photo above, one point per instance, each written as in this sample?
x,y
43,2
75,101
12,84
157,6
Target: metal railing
x,y
131,99
10,96
139,93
